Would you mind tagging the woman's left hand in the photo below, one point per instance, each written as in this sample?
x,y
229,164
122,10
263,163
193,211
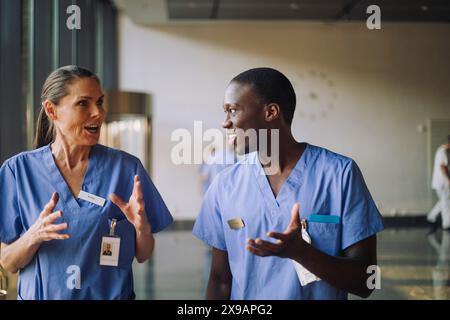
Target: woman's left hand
x,y
134,209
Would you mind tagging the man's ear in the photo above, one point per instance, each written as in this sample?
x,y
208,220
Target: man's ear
x,y
272,112
50,109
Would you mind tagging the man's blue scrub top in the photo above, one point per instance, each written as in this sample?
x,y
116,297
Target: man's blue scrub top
x,y
324,183
27,182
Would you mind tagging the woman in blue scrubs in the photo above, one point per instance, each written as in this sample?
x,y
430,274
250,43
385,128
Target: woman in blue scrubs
x,y
66,201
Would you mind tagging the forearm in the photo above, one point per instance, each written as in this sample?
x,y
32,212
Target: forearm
x,y
145,243
218,290
18,254
220,277
341,272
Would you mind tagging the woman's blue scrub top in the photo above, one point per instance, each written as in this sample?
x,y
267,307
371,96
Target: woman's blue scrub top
x,y
333,198
27,182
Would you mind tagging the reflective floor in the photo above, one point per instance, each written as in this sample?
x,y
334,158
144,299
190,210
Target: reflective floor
x,y
413,265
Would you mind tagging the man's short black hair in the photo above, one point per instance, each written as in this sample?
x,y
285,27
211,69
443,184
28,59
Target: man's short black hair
x,y
272,87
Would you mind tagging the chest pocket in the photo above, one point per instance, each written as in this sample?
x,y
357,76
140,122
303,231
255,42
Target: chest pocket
x,y
326,237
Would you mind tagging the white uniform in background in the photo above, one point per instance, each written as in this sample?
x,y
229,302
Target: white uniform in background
x,y
440,184
441,272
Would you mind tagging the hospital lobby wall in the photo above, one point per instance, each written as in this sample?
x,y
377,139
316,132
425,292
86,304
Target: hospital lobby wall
x,y
365,94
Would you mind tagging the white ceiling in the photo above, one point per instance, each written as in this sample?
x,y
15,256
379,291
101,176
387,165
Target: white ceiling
x,y
149,12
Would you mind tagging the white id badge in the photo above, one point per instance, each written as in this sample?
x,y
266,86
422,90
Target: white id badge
x,y
110,248
303,274
92,198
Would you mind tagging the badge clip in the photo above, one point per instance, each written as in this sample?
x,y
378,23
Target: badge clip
x,y
112,229
305,276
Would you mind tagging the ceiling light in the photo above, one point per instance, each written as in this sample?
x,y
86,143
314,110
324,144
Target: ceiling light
x,y
294,6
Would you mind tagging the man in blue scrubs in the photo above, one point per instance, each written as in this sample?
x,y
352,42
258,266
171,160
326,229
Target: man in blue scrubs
x,y
253,219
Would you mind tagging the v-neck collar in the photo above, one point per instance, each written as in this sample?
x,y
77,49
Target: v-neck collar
x,y
66,198
292,182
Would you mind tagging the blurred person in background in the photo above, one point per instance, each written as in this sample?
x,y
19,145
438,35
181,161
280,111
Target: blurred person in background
x,y
441,185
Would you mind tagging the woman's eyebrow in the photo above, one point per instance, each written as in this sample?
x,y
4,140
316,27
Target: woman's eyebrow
x,y
84,97
90,98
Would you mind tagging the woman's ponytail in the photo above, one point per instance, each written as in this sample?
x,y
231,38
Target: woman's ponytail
x,y
44,130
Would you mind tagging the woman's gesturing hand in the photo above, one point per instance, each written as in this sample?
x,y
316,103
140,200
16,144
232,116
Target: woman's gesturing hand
x,y
134,209
44,229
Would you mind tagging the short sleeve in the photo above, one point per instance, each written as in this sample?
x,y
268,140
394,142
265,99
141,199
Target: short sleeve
x,y
208,226
10,222
157,212
360,216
